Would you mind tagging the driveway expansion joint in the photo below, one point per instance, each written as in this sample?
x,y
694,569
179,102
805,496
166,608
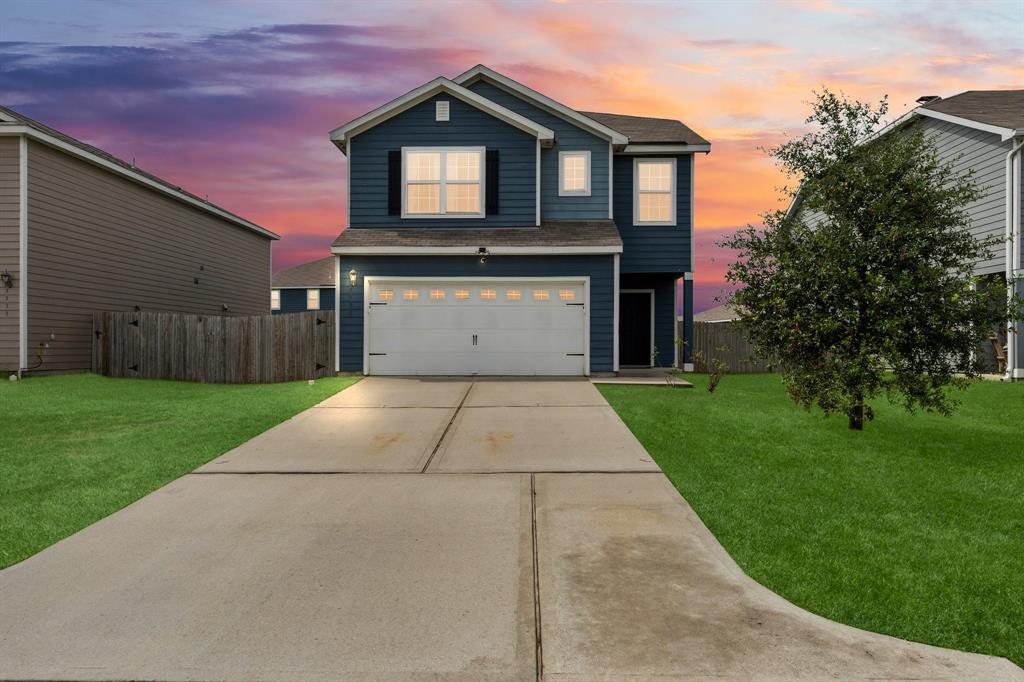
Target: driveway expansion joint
x,y
448,426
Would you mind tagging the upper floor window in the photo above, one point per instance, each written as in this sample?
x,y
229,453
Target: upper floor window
x,y
574,174
654,191
275,299
312,299
443,181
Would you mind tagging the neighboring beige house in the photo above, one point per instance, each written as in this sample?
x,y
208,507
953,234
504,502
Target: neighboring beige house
x,y
82,231
722,313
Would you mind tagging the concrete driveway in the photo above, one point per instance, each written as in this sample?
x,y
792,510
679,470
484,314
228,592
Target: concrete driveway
x,y
427,529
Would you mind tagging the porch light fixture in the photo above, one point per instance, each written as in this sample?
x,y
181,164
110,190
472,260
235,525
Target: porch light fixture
x,y
482,251
352,277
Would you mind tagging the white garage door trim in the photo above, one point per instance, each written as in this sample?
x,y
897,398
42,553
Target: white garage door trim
x,y
370,280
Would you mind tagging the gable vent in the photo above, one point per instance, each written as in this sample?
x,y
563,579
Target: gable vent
x,y
441,111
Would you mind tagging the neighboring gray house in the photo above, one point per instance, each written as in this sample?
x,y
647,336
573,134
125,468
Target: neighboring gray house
x,y
494,230
983,131
309,286
82,231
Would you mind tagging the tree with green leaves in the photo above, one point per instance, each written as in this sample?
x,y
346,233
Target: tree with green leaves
x,y
864,287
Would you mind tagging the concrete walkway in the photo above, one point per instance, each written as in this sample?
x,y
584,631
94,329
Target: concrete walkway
x,y
427,529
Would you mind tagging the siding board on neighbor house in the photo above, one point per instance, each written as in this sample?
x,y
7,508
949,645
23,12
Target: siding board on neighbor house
x,y
965,149
969,149
568,137
416,127
9,254
647,248
599,268
99,242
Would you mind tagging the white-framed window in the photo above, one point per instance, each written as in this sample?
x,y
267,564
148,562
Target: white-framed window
x,y
312,299
443,182
654,191
275,299
574,174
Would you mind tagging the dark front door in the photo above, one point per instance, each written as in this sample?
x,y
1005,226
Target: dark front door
x,y
635,329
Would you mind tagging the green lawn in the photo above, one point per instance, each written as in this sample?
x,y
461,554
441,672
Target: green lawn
x,y
913,528
75,448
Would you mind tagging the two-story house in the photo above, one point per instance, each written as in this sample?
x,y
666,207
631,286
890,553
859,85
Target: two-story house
x,y
980,133
494,230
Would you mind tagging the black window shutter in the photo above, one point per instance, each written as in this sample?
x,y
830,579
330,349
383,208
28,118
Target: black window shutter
x,y
394,183
493,188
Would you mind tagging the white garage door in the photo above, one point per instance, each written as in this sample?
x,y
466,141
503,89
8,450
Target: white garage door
x,y
462,327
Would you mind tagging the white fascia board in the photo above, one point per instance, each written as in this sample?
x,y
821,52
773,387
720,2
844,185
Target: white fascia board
x,y
542,101
22,253
34,134
426,91
308,286
7,118
1004,133
666,149
475,250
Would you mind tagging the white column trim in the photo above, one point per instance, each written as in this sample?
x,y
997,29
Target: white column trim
x,y
22,253
610,184
677,297
538,182
615,315
337,313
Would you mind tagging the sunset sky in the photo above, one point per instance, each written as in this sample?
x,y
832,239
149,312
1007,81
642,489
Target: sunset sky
x,y
234,100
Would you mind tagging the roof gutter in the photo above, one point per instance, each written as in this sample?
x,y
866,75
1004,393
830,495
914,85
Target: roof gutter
x,y
1012,251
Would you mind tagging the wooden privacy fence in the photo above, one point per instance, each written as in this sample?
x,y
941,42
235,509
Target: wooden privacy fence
x,y
214,349
725,341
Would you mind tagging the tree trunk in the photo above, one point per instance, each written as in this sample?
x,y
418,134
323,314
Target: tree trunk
x,y
857,414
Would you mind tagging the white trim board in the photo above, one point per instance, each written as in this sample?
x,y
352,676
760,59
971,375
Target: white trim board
x,y
475,250
615,313
342,134
481,72
640,148
22,253
337,314
32,133
1004,133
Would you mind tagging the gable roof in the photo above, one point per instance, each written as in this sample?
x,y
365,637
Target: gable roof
x,y
567,236
315,273
998,108
14,123
995,111
543,101
342,134
649,130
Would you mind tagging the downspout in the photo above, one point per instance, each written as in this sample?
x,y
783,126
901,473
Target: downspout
x,y
1012,253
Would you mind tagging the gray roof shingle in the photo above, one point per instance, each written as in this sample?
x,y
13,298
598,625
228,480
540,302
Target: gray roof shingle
x,y
550,233
316,273
648,130
1002,108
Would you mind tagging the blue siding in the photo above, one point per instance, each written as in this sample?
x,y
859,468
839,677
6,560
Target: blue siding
x,y
468,126
294,300
664,311
599,268
653,249
568,137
